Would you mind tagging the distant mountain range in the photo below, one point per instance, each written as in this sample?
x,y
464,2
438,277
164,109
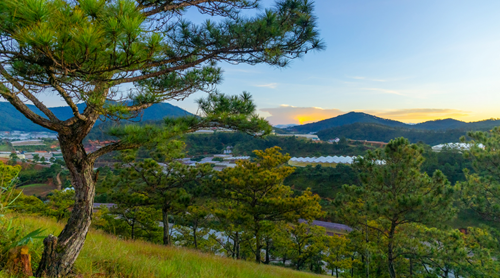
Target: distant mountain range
x,y
11,119
358,117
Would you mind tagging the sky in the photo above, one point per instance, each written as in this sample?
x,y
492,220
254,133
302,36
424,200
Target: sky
x,y
407,60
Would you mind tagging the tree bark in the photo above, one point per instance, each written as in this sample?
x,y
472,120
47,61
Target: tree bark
x,y
166,228
195,227
61,252
268,259
390,251
133,230
258,246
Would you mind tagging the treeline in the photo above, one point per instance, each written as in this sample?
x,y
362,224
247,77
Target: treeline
x,y
383,133
244,144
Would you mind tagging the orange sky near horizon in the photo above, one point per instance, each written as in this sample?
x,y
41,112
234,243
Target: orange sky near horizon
x,y
286,114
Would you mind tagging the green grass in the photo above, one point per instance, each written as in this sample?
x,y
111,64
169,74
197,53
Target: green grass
x,y
113,257
5,148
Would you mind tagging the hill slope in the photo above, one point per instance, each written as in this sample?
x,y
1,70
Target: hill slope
x,y
346,119
11,119
112,257
359,117
447,124
377,132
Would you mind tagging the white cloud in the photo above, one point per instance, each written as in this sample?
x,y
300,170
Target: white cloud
x,y
385,91
270,85
367,79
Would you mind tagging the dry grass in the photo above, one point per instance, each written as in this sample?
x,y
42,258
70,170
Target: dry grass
x,y
39,189
113,257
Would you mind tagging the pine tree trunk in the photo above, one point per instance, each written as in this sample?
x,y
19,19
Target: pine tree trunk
x,y
195,227
133,230
258,245
166,228
60,252
268,259
390,251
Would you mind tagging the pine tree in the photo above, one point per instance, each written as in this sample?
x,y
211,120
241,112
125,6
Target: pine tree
x,y
394,193
120,57
165,186
257,188
481,191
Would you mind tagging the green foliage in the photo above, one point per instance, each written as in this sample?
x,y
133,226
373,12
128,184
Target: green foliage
x,y
481,191
60,203
243,144
395,193
166,187
384,133
307,244
339,258
10,234
257,193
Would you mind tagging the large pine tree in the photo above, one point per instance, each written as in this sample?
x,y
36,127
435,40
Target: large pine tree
x,y
120,57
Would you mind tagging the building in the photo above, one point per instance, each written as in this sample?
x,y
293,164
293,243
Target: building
x,y
312,137
454,146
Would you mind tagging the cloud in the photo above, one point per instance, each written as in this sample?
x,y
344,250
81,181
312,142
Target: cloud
x,y
286,114
270,85
415,115
392,92
366,78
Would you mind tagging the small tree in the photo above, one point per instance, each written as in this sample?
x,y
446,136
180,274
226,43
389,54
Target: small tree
x,y
120,57
60,204
257,189
306,242
394,193
339,254
13,159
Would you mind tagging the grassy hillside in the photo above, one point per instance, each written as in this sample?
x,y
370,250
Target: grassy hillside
x,y
108,256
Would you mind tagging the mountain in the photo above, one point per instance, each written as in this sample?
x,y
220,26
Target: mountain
x,y
345,119
383,133
359,117
455,124
285,126
11,119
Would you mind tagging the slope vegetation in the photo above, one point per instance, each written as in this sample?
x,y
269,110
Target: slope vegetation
x,y
377,132
346,119
107,256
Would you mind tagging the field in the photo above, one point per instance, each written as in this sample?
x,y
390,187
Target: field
x,y
5,148
108,256
38,189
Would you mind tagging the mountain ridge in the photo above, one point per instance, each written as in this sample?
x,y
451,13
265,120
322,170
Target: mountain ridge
x,y
11,119
360,117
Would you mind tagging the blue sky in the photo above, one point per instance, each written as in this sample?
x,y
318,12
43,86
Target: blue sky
x,y
409,60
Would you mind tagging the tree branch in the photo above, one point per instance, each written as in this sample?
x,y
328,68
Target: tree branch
x,y
29,96
28,113
65,96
